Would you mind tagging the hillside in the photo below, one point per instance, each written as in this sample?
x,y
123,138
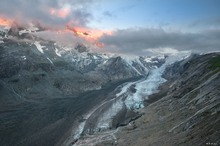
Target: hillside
x,y
186,110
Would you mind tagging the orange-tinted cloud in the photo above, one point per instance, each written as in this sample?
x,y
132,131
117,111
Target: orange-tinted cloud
x,y
89,34
53,11
5,22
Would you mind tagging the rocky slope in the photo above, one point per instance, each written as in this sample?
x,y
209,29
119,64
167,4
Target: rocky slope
x,y
186,110
45,87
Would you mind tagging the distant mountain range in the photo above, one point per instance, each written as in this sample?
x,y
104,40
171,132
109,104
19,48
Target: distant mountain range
x,y
25,54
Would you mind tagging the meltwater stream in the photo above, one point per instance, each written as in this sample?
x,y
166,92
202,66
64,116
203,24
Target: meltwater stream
x,y
101,123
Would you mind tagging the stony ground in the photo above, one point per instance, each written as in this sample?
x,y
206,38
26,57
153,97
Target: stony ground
x,y
185,112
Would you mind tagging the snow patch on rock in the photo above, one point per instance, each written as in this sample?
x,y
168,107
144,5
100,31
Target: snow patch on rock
x,y
39,47
57,52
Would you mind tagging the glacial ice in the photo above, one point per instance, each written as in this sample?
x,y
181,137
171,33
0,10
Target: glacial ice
x,y
132,100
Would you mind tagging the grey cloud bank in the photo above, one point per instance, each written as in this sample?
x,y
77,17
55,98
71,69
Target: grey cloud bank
x,y
144,40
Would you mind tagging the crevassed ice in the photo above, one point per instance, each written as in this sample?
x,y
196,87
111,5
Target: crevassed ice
x,y
145,88
151,84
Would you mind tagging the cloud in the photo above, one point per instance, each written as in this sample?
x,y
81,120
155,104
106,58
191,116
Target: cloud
x,y
50,12
127,7
108,14
143,41
204,23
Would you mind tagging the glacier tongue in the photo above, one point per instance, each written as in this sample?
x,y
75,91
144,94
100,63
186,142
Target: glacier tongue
x,y
133,94
130,97
124,98
150,85
145,88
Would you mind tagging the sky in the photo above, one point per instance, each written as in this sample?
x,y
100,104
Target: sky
x,y
156,13
137,26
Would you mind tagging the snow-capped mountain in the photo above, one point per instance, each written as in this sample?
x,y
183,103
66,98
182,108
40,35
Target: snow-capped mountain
x,y
23,52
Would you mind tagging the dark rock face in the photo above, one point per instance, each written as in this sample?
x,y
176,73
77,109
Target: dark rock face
x,y
81,48
187,110
117,69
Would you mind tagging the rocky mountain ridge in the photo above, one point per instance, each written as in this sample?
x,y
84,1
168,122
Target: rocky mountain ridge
x,y
34,59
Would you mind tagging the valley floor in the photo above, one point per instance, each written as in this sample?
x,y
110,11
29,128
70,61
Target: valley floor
x,y
45,121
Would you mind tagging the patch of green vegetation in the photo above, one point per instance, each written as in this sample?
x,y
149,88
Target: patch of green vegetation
x,y
215,63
